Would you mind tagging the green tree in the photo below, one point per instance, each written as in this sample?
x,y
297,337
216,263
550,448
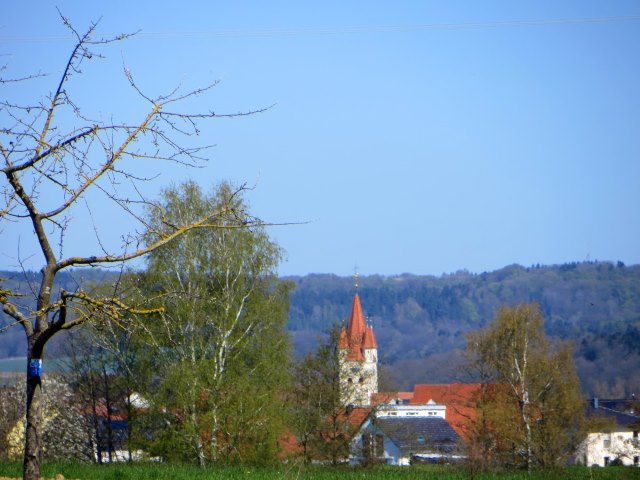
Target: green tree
x,y
222,350
530,409
56,159
321,422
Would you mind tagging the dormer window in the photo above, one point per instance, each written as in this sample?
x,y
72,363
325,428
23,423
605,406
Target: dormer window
x,y
421,440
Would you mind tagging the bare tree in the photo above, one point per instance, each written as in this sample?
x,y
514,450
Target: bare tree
x,y
53,156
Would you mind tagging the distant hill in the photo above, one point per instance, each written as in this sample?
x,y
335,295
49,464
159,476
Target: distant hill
x,y
420,321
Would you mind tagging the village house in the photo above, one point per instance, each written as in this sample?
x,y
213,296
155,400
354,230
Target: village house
x,y
617,440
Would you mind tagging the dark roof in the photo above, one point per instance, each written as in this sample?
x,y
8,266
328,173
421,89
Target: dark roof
x,y
621,411
419,435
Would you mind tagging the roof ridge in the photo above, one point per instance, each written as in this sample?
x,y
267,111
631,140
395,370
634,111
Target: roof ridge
x,y
617,411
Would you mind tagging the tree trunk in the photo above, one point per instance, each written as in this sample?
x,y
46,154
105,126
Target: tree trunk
x,y
96,426
33,439
527,426
107,401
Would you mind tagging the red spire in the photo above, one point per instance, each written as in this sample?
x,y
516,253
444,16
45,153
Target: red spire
x,y
357,335
356,326
343,341
369,339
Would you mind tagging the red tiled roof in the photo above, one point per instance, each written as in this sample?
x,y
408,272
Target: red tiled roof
x,y
405,395
357,415
459,398
289,445
101,411
386,397
355,354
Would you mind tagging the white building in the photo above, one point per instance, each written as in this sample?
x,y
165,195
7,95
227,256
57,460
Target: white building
x,y
617,440
399,434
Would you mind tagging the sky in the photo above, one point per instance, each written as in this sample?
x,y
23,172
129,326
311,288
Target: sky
x,y
416,137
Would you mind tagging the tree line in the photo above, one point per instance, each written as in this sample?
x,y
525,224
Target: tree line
x,y
421,321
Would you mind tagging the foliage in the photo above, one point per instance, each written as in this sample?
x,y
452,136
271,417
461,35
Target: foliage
x,y
220,347
531,411
420,321
321,422
104,370
162,471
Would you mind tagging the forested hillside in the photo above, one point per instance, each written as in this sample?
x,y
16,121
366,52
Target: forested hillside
x,y
420,321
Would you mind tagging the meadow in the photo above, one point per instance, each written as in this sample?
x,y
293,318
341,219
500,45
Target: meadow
x,y
156,471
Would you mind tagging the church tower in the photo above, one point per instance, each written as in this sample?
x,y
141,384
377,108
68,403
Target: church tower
x,y
358,356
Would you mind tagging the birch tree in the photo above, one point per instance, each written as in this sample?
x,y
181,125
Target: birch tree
x,y
57,160
223,348
530,402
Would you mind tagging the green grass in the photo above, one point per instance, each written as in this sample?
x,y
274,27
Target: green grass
x,y
158,471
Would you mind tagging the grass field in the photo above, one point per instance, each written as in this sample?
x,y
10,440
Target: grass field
x,y
146,471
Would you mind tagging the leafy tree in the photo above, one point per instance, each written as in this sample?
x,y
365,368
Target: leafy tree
x,y
221,344
530,408
55,162
321,422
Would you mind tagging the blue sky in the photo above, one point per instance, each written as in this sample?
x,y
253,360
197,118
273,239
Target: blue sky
x,y
415,136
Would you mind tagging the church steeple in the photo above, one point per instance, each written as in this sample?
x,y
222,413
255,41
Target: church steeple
x,y
356,330
369,339
357,348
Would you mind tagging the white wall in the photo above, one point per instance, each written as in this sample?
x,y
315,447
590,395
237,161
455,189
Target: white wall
x,y
598,446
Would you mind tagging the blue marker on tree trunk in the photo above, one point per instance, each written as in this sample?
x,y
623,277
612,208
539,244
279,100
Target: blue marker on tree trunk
x,y
35,367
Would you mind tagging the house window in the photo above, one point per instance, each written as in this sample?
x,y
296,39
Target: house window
x,y
606,442
607,460
421,440
636,460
